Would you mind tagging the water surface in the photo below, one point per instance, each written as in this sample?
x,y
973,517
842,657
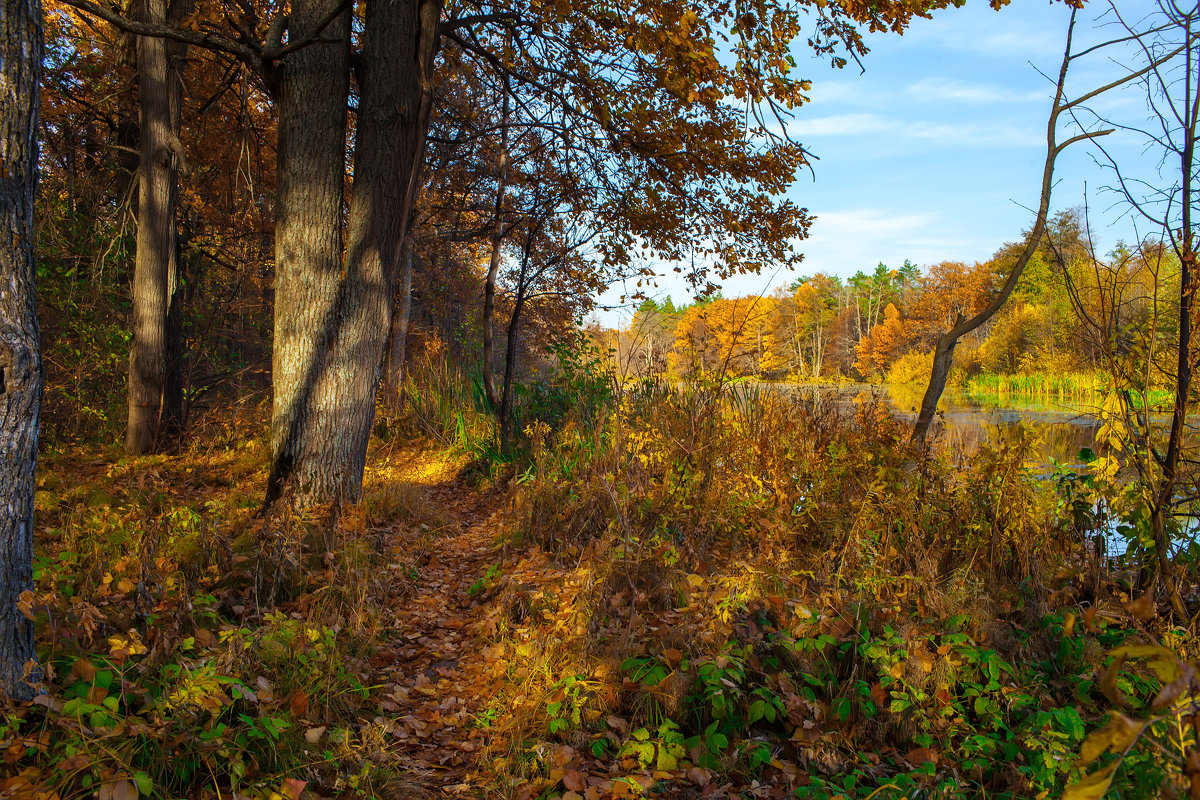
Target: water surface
x,y
966,420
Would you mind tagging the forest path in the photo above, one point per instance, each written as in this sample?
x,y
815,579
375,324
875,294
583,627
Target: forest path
x,y
430,655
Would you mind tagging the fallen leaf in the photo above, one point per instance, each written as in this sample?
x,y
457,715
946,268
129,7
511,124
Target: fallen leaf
x,y
1108,681
1144,608
123,789
574,780
292,788
921,755
1173,690
298,703
1094,786
25,604
1117,735
84,669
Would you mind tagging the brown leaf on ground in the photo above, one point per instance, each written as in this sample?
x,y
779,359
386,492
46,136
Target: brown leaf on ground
x,y
1144,608
298,703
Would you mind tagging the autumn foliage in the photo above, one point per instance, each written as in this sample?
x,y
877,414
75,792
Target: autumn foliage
x,y
604,566
882,326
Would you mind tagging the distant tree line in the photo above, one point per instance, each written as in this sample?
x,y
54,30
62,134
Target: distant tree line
x,y
883,325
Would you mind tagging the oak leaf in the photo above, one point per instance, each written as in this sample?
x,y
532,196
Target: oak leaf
x,y
292,788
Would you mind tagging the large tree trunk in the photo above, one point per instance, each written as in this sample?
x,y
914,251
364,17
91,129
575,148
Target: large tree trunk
x,y
155,391
312,89
20,361
325,396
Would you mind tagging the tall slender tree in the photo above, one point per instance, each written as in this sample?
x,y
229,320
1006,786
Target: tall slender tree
x,y
20,360
155,387
943,355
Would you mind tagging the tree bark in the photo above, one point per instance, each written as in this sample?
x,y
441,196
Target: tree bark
x,y
505,411
1184,243
155,391
311,92
20,360
330,338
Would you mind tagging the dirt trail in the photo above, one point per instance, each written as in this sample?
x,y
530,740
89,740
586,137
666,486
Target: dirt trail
x,y
431,656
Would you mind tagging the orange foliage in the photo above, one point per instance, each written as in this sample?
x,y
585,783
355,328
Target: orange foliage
x,y
948,290
886,341
723,336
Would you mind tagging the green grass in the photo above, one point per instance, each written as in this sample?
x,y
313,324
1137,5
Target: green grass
x,y
1064,386
1081,387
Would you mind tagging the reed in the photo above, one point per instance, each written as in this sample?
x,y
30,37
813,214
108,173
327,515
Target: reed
x,y
1066,386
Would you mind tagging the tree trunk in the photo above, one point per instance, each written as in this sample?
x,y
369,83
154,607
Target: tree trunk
x,y
155,392
943,360
328,359
1165,494
489,283
943,357
310,94
20,360
398,338
1184,244
505,412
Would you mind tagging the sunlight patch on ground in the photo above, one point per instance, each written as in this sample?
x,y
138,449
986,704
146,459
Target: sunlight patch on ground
x,y
415,465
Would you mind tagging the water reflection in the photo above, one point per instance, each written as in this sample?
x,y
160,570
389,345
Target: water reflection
x,y
966,421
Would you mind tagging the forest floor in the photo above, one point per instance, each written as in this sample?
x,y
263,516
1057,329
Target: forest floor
x,y
464,634
431,648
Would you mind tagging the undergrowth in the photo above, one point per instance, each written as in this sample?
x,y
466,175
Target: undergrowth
x,y
725,589
699,590
192,648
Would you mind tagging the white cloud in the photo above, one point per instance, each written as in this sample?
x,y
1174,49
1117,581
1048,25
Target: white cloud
x,y
840,125
852,92
1011,34
850,239
942,134
970,134
941,90
874,221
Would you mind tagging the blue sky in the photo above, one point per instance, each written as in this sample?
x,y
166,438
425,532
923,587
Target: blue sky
x,y
935,152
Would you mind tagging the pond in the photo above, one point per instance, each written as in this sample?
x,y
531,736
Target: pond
x,y
966,420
